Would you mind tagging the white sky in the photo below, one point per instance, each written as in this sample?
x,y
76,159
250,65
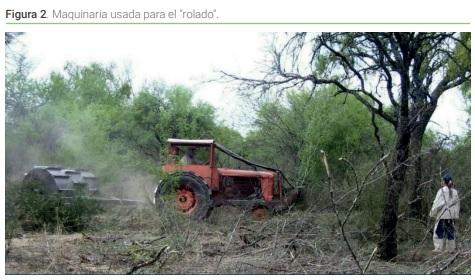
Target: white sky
x,y
187,57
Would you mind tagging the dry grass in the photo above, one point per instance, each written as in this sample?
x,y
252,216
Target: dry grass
x,y
229,241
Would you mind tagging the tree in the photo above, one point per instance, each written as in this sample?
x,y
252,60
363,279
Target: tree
x,y
159,113
57,120
12,50
304,123
10,37
449,62
280,127
22,94
408,71
90,84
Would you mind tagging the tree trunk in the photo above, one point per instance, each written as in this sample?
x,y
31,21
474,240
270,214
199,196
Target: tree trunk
x,y
388,239
417,206
415,200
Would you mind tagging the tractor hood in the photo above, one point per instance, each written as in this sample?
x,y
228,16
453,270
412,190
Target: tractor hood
x,y
245,173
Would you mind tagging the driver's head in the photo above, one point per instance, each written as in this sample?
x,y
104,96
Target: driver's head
x,y
190,151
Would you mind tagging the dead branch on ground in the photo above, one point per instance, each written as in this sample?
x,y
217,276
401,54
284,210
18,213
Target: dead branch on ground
x,y
444,266
229,242
148,263
270,269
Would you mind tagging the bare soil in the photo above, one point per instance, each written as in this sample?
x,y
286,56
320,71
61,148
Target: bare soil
x,y
125,240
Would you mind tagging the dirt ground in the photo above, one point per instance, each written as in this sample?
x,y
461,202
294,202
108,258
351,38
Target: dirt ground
x,y
140,241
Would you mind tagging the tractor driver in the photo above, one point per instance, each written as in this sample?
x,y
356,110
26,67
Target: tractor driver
x,y
189,157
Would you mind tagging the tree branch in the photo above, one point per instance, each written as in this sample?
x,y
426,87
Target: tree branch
x,y
148,263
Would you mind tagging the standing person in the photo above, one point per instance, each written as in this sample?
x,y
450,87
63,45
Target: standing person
x,y
445,210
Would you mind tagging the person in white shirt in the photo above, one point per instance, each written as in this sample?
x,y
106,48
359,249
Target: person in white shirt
x,y
445,210
190,157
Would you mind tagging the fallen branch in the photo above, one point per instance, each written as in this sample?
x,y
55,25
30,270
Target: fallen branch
x,y
229,242
251,243
266,268
455,269
8,246
445,266
148,263
87,237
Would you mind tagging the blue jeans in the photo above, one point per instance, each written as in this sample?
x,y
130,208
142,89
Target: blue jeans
x,y
445,229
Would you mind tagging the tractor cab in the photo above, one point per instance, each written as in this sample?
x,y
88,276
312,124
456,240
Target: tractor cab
x,y
199,180
189,153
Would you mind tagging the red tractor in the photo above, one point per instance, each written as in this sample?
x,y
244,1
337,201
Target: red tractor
x,y
195,183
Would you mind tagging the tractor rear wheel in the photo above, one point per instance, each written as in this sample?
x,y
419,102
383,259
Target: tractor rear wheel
x,y
186,193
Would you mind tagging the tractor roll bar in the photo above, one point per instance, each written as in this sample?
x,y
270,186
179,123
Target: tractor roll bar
x,y
240,158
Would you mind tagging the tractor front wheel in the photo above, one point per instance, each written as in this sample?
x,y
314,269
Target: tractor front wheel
x,y
186,193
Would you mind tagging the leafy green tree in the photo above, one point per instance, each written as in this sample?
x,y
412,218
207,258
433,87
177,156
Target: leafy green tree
x,y
303,125
157,114
280,128
91,84
23,94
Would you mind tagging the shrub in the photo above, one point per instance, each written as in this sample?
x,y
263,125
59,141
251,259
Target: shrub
x,y
30,210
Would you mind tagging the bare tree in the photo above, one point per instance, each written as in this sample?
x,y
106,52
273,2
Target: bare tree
x,y
398,76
